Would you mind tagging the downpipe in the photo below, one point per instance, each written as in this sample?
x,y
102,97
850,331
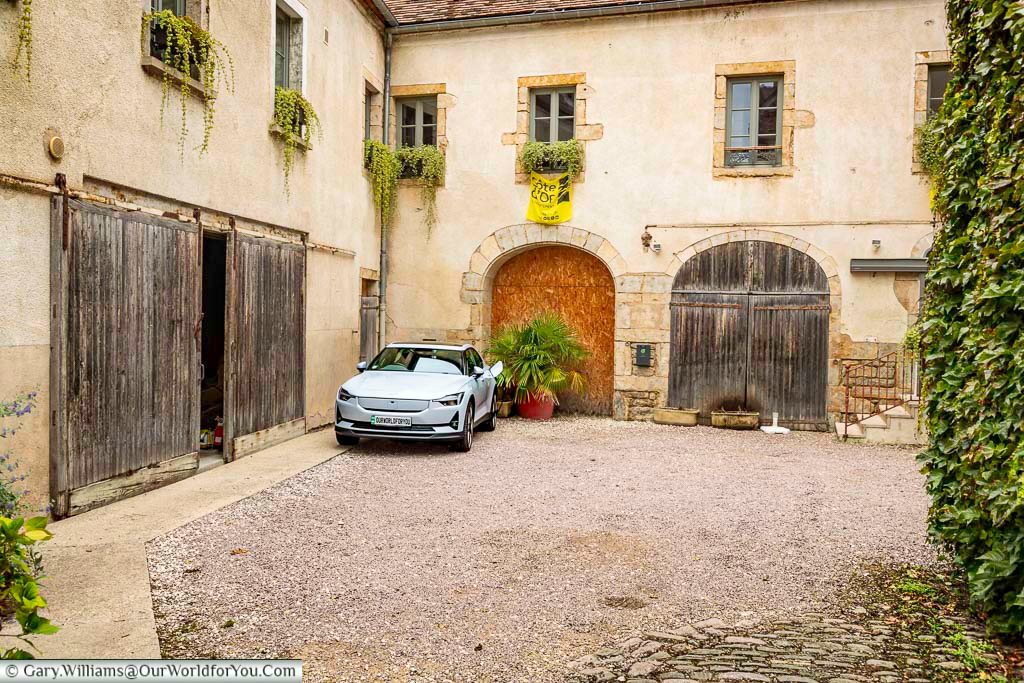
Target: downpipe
x,y
382,295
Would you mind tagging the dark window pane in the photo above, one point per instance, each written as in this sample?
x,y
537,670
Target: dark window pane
x,y
429,135
766,140
766,121
429,112
768,94
566,104
408,137
740,96
566,129
408,115
542,130
543,105
938,80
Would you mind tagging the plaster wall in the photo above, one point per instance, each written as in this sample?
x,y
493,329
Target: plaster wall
x,y
650,83
89,87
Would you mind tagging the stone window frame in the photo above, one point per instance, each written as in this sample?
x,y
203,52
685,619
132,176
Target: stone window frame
x,y
786,69
373,90
444,102
199,11
298,42
585,132
922,60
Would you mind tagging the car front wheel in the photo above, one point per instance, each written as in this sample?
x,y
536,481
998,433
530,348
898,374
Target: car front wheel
x,y
465,442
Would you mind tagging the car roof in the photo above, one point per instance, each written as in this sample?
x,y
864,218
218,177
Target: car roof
x,y
425,345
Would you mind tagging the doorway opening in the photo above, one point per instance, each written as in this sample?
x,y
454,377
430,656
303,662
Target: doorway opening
x,y
211,389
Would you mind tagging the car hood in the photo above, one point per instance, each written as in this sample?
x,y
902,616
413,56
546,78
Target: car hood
x,y
424,386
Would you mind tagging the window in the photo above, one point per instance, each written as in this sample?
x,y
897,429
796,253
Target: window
x,y
938,81
368,113
288,42
553,114
473,360
282,49
754,121
417,121
158,34
176,6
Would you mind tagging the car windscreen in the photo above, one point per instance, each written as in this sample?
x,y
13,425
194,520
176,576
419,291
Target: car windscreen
x,y
404,359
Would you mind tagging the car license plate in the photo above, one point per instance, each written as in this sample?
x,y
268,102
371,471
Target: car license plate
x,y
390,421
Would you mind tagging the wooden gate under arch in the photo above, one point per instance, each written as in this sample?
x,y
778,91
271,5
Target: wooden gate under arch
x,y
750,332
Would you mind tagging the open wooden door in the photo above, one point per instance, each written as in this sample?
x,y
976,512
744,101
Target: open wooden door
x,y
266,401
124,359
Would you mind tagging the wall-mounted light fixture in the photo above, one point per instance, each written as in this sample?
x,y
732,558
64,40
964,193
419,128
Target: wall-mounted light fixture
x,y
876,244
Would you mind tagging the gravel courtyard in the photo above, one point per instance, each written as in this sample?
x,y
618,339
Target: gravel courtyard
x,y
396,562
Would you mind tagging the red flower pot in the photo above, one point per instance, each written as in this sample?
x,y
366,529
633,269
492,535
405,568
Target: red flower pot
x,y
537,408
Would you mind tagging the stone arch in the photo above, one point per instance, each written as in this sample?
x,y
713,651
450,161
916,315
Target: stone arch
x,y
837,342
504,243
922,246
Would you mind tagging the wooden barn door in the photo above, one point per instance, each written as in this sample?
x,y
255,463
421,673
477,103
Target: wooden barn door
x,y
577,286
125,362
266,344
750,331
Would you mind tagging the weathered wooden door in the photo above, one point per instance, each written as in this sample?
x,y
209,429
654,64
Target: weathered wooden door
x,y
750,331
266,343
125,363
369,308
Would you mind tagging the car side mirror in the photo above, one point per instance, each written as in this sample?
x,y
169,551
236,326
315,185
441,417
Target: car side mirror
x,y
478,371
361,366
497,368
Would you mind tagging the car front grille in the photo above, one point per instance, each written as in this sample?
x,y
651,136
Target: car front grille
x,y
392,428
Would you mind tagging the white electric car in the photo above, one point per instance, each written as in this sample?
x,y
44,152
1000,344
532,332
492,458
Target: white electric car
x,y
427,392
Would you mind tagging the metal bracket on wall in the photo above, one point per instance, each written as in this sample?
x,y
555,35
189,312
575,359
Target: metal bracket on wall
x,y
61,181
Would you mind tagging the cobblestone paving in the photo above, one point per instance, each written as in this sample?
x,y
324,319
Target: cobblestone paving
x,y
812,648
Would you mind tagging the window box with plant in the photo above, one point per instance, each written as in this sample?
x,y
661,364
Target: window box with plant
x,y
553,157
540,359
191,58
295,121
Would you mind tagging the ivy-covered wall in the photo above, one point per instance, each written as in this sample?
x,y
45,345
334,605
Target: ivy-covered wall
x,y
973,336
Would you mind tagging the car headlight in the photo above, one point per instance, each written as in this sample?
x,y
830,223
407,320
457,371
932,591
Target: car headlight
x,y
449,401
344,395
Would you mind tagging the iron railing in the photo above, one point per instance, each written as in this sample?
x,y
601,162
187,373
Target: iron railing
x,y
872,387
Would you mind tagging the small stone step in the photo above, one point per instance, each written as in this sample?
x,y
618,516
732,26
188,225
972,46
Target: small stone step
x,y
898,411
878,421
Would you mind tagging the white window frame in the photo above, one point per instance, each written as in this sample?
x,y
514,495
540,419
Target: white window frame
x,y
554,117
296,10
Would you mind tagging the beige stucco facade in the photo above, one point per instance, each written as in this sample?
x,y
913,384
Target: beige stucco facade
x,y
655,84
88,86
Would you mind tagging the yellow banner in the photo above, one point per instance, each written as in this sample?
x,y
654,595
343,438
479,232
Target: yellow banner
x,y
550,200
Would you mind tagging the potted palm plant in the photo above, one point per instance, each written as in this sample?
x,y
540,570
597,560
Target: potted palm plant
x,y
540,359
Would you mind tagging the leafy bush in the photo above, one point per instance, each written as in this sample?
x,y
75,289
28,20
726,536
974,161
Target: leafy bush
x,y
973,318
930,146
190,49
547,157
20,564
539,358
296,120
380,161
425,163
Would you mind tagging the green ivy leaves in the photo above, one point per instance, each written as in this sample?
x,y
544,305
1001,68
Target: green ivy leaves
x,y
296,120
544,157
19,580
973,317
383,167
425,163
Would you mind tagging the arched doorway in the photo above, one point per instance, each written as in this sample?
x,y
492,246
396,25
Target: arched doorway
x,y
750,331
576,285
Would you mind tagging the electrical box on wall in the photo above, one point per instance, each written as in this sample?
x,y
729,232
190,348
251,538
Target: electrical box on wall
x,y
642,358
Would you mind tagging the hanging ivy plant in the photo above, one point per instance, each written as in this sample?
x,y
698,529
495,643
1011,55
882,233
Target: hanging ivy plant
x,y
553,157
972,339
195,53
296,121
383,166
425,163
25,39
930,146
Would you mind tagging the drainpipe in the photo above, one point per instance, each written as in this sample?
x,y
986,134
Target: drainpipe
x,y
382,295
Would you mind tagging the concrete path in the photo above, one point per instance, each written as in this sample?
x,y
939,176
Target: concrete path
x,y
97,578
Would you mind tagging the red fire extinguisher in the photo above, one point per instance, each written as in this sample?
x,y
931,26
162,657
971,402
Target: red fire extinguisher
x,y
218,433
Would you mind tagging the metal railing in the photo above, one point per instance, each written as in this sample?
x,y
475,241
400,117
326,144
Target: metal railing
x,y
872,387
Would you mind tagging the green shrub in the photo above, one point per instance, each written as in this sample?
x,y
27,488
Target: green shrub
x,y
19,581
540,358
425,163
930,146
380,161
191,49
973,320
297,121
553,157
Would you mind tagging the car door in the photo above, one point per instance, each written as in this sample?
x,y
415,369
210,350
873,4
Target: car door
x,y
482,385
